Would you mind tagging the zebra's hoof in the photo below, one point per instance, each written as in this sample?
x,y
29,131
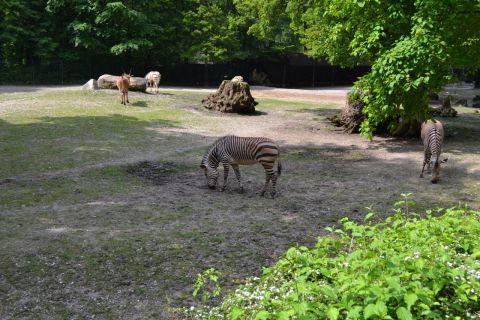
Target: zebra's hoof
x,y
262,193
434,181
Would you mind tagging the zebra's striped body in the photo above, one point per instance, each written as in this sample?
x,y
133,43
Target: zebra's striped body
x,y
235,151
432,136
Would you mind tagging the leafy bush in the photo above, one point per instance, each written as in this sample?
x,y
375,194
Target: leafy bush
x,y
406,267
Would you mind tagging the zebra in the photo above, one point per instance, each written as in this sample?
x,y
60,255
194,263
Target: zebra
x,y
234,150
432,136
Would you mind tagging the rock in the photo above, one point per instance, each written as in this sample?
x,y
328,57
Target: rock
x,y
90,85
107,81
231,96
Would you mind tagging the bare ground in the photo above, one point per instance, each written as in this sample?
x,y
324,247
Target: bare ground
x,y
135,255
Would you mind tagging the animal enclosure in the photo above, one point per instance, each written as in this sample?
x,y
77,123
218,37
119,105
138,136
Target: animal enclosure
x,y
104,210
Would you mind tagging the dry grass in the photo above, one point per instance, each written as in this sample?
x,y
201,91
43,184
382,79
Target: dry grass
x,y
83,234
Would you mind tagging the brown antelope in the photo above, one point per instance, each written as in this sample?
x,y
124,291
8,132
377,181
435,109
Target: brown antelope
x,y
123,82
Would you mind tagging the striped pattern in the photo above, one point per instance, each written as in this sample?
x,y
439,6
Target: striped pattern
x,y
234,151
432,137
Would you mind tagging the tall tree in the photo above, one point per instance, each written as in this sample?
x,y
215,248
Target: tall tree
x,y
410,44
124,28
25,32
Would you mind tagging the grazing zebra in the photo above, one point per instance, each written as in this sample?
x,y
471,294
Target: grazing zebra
x,y
432,137
233,150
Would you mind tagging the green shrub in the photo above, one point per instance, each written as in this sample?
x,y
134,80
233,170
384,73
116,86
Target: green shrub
x,y
406,267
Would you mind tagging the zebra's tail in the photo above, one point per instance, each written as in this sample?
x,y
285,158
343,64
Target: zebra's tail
x,y
279,167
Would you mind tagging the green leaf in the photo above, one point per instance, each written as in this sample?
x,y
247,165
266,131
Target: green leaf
x,y
235,313
262,315
381,309
410,299
332,313
284,315
369,311
404,314
300,308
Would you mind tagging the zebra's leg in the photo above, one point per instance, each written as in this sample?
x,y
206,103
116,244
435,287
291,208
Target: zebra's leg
x,y
225,175
239,178
274,185
426,159
269,173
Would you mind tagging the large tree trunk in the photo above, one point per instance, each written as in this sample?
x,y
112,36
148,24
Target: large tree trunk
x,y
231,96
351,116
407,128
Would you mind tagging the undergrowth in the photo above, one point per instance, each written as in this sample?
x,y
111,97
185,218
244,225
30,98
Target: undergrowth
x,y
409,266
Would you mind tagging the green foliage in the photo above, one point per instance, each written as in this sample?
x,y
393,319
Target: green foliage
x,y
411,45
207,284
120,27
25,32
269,23
407,267
212,34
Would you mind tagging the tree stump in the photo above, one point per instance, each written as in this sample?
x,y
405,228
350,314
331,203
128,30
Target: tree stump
x,y
446,109
231,96
351,116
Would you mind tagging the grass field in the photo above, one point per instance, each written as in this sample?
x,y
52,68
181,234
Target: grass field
x,y
104,211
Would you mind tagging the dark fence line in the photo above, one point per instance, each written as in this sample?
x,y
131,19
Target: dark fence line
x,y
186,74
298,71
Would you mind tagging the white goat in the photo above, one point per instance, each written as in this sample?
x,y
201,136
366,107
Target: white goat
x,y
153,79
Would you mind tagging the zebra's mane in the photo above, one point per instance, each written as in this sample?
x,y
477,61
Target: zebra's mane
x,y
211,152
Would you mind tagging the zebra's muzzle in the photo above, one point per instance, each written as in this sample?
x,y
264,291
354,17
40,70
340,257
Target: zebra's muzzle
x,y
211,187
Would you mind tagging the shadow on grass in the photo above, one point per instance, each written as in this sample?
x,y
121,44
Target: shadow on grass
x,y
318,112
142,104
254,114
149,244
65,142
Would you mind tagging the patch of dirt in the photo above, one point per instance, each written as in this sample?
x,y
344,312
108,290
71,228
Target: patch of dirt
x,y
155,172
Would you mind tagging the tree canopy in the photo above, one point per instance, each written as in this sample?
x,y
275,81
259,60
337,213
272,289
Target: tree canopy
x,y
410,44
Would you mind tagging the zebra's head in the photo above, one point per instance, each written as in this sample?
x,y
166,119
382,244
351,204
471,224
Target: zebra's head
x,y
211,174
210,164
435,163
